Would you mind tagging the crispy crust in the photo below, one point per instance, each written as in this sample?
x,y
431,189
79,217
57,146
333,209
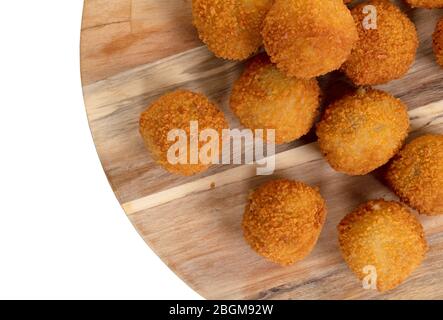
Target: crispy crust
x,y
430,4
385,53
230,28
283,220
309,38
363,131
385,235
265,98
438,42
416,174
175,110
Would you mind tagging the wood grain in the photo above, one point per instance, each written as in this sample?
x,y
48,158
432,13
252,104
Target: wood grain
x,y
120,34
133,52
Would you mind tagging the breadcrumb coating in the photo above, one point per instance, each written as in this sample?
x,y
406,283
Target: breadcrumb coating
x,y
309,38
230,28
438,42
265,98
283,220
385,235
416,174
430,4
176,110
363,131
385,53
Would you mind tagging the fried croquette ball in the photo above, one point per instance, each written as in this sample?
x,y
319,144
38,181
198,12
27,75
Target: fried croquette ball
x,y
230,28
438,42
386,52
430,4
175,111
382,239
309,38
265,98
283,220
416,174
362,131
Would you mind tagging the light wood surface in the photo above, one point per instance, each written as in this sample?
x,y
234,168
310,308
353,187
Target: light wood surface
x,y
133,52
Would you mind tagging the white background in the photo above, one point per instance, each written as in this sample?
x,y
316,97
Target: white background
x,y
62,232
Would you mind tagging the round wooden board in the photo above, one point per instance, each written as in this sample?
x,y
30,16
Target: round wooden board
x,y
132,52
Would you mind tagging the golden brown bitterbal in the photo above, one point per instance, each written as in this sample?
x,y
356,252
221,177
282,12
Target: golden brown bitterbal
x,y
265,98
283,220
416,174
363,131
382,240
230,28
174,111
386,50
309,38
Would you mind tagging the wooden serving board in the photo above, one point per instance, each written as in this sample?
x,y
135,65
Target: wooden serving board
x,y
132,52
